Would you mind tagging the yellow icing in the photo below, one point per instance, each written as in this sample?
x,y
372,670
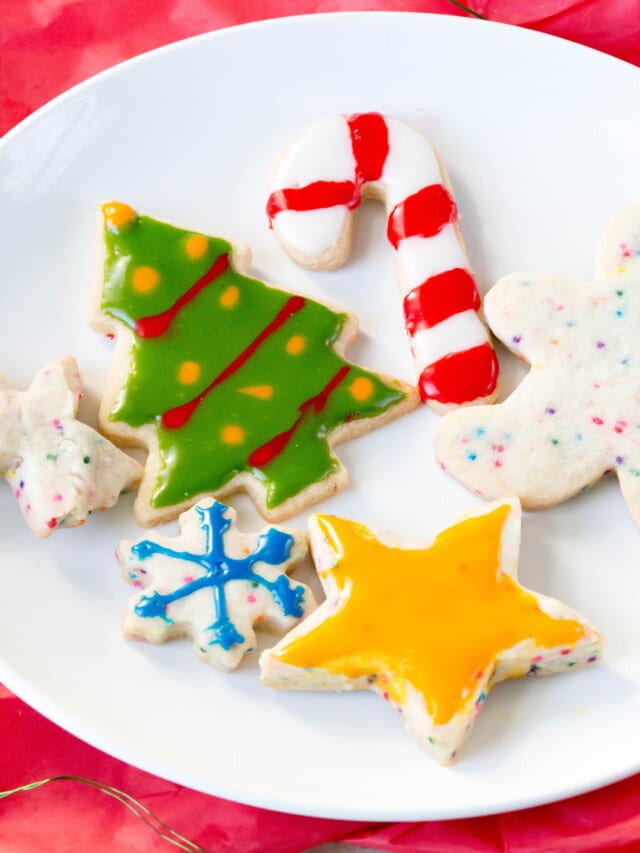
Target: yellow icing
x,y
295,344
196,246
262,392
434,619
116,214
188,372
230,296
361,388
232,434
144,279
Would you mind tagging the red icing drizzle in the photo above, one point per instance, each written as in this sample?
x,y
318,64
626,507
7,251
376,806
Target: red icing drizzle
x,y
156,325
370,145
439,297
314,196
178,416
423,214
460,377
272,448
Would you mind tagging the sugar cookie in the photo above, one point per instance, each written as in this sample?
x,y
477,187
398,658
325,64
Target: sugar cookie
x,y
318,182
576,415
60,470
214,584
229,383
430,630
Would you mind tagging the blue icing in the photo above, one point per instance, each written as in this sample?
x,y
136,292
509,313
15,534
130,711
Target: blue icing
x,y
272,547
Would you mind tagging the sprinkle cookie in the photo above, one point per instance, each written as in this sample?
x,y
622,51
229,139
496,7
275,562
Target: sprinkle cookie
x,y
576,415
429,630
213,584
229,383
317,184
60,470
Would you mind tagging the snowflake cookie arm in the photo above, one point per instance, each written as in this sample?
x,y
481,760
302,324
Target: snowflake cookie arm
x,y
62,470
213,584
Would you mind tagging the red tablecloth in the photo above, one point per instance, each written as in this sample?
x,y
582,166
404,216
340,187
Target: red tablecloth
x,y
46,46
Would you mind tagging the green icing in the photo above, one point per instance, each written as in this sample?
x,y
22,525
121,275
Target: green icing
x,y
211,331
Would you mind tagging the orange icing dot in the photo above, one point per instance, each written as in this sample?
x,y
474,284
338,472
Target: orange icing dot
x,y
230,296
196,246
232,434
430,618
262,392
295,344
144,279
361,388
116,214
188,372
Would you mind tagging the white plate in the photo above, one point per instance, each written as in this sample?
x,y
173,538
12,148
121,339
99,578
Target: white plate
x,y
542,140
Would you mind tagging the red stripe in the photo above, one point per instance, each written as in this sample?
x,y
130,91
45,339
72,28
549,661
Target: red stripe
x,y
314,196
370,145
423,214
439,297
460,377
157,324
178,416
264,454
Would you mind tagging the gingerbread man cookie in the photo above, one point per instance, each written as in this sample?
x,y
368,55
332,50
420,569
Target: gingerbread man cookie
x,y
213,583
576,415
430,630
60,470
319,181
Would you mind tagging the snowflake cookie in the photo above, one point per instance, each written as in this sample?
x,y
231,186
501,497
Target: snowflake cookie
x,y
576,415
430,630
213,583
230,384
60,470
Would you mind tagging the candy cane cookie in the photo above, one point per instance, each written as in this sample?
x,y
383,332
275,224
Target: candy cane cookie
x,y
319,181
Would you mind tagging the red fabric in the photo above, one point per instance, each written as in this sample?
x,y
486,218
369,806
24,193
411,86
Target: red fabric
x,y
46,46
62,817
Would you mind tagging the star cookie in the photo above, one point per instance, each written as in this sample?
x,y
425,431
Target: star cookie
x,y
430,630
576,415
60,470
213,583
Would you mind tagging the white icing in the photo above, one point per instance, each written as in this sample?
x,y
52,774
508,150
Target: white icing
x,y
420,258
324,152
455,334
321,153
247,603
311,232
411,163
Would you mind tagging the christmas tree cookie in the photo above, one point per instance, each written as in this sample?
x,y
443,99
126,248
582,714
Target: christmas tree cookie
x,y
214,584
229,383
430,630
